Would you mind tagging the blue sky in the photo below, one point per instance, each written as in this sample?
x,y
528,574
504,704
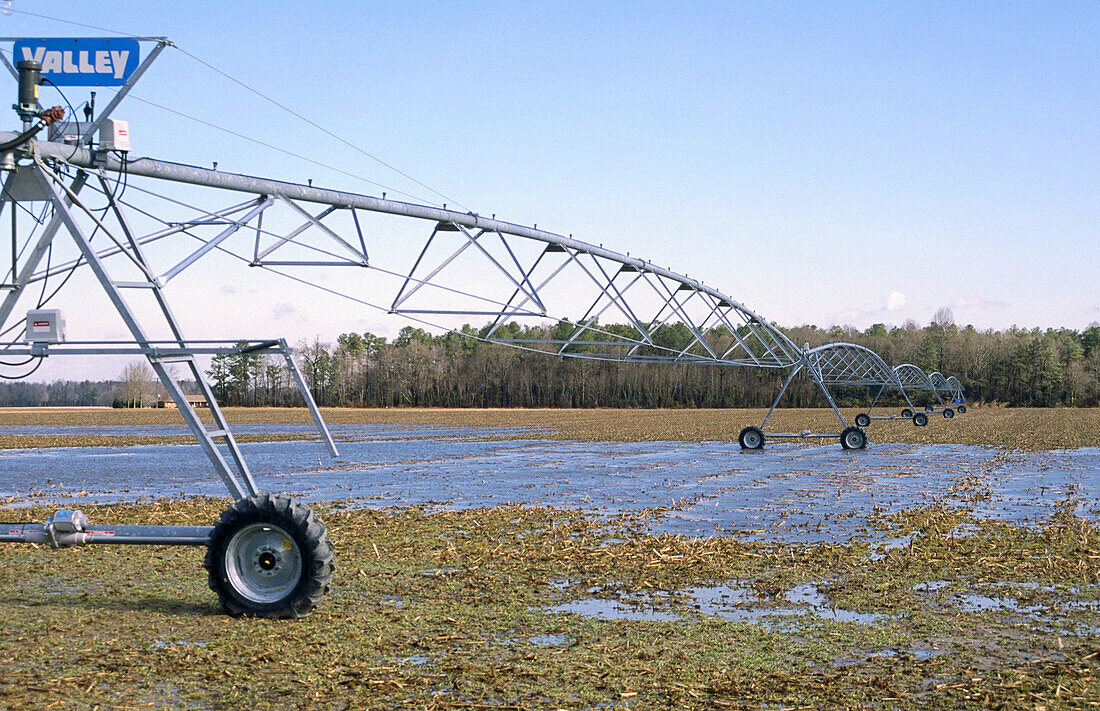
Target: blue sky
x,y
827,163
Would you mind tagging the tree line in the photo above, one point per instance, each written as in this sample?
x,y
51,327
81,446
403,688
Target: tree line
x,y
1016,367
136,386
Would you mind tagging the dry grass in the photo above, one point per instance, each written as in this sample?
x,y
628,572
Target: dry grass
x,y
1016,428
453,609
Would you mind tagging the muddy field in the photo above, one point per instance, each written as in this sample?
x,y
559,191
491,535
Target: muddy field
x,y
954,566
1014,428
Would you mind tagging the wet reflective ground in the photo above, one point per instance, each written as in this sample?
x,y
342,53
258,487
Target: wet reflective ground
x,y
450,596
788,491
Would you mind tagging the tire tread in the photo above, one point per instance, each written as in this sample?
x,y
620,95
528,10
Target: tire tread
x,y
317,552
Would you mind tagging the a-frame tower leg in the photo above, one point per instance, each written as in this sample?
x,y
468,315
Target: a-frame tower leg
x,y
238,479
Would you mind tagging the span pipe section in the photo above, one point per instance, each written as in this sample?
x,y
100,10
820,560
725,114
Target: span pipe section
x,y
479,259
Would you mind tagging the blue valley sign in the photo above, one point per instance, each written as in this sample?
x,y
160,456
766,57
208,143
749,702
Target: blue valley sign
x,y
82,61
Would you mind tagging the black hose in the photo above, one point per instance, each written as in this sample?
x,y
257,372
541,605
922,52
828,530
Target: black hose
x,y
49,116
22,138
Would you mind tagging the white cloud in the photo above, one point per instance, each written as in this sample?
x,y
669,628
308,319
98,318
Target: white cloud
x,y
896,300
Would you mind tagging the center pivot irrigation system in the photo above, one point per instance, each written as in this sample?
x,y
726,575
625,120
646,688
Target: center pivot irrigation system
x,y
269,555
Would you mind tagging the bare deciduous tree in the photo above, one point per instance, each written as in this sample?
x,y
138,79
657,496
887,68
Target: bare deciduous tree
x,y
139,384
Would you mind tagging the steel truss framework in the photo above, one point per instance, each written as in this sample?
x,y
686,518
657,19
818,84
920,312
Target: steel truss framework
x,y
521,280
913,379
939,382
958,396
949,386
70,214
537,290
245,571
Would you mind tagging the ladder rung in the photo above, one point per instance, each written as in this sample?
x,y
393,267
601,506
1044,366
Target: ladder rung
x,y
135,285
172,358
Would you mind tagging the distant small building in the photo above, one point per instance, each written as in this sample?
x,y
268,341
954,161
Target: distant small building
x,y
165,400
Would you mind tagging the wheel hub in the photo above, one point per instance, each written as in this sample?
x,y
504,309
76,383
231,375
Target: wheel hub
x,y
263,562
269,557
267,560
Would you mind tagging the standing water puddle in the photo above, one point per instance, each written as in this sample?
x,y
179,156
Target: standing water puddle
x,y
735,603
794,492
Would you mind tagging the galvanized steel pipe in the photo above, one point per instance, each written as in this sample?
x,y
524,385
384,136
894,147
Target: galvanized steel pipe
x,y
194,175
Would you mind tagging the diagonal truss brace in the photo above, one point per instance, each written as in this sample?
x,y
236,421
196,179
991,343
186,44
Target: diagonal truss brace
x,y
413,284
358,256
261,205
238,479
911,378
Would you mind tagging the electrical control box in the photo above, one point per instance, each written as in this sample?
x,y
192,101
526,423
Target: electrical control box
x,y
114,135
68,131
45,326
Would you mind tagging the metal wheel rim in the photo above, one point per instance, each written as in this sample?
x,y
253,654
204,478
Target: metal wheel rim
x,y
263,562
853,440
752,440
863,421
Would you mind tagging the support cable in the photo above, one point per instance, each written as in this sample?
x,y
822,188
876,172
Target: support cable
x,y
281,106
317,126
284,151
71,22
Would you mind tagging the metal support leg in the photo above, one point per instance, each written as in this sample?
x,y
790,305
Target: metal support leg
x,y
782,390
220,423
905,396
816,377
308,397
875,401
